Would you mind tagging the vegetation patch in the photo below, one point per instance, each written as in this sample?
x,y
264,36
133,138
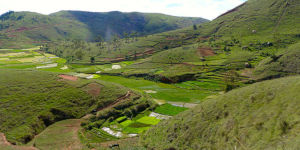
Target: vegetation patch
x,y
266,112
168,109
148,120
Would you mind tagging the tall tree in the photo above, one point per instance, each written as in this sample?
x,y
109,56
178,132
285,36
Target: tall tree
x,y
116,42
126,36
92,59
79,54
99,39
195,27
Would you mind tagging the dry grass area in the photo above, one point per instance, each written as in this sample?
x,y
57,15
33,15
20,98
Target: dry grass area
x,y
94,89
62,135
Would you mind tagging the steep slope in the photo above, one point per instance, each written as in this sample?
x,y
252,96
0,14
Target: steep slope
x,y
261,116
285,62
258,18
29,28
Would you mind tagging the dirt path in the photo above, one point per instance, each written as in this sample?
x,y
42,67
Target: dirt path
x,y
3,140
120,99
4,144
182,104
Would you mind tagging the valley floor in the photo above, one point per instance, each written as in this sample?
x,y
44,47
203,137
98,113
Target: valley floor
x,y
68,134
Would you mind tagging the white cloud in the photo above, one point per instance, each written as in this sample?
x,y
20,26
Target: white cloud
x,y
194,8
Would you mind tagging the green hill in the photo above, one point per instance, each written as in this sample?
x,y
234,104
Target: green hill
x,y
283,63
19,29
247,34
261,116
110,23
255,41
33,100
258,18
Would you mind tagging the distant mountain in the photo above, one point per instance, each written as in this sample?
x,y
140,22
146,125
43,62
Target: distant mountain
x,y
116,22
29,27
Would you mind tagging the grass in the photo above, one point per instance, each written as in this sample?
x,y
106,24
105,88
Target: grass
x,y
135,130
63,134
168,109
260,116
126,123
283,63
148,120
264,115
167,92
138,124
85,26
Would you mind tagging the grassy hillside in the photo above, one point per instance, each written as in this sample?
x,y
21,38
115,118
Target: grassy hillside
x,y
261,116
110,23
61,135
285,62
247,34
23,29
259,18
32,100
251,24
255,41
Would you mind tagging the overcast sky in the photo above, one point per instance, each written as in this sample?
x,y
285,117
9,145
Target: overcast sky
x,y
208,9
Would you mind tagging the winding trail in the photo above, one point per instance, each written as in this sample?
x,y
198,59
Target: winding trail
x,y
4,144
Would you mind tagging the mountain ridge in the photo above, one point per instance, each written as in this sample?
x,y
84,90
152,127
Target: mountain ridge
x,y
19,26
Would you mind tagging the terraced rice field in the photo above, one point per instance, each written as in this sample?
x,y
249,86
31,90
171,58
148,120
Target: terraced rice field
x,y
168,109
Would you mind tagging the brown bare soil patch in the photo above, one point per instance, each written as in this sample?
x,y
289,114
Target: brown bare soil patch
x,y
3,140
205,51
94,89
68,77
